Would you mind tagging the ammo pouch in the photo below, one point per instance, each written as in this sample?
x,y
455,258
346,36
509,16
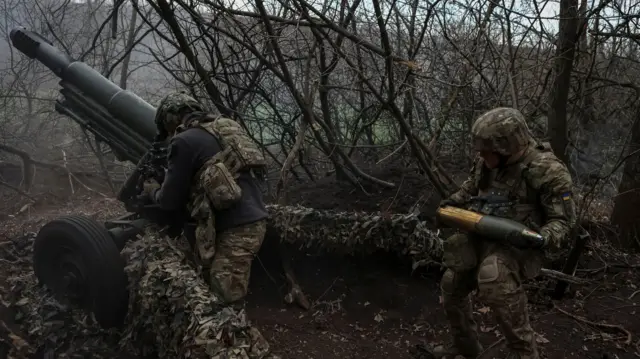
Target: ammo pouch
x,y
221,188
459,253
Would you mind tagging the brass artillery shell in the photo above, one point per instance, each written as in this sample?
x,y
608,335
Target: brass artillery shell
x,y
491,227
459,218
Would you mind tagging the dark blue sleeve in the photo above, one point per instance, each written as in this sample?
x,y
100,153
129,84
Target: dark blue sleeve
x,y
174,193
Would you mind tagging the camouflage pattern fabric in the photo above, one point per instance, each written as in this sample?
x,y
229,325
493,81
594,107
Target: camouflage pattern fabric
x,y
240,152
218,176
356,232
221,187
459,253
174,314
170,106
499,284
551,181
173,310
503,130
231,265
539,189
225,258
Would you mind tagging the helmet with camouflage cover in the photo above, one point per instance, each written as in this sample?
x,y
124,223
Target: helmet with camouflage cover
x,y
502,130
167,114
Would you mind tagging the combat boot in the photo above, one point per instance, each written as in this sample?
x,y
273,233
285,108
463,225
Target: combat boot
x,y
467,349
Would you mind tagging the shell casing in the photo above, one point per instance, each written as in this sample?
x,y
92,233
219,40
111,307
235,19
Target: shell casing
x,y
488,226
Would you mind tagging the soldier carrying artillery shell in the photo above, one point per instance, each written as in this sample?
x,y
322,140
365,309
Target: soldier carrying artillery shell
x,y
520,179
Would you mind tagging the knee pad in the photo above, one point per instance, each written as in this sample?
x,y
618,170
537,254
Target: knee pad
x,y
489,271
496,280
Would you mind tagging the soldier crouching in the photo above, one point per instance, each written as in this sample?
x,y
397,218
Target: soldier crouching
x,y
213,173
513,177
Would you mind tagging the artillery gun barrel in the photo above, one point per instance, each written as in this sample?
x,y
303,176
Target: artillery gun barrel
x,y
76,253
129,109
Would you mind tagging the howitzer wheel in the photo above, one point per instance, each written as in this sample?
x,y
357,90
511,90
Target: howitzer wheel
x,y
76,258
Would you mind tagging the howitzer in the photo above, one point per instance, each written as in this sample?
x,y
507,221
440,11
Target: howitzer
x,y
75,255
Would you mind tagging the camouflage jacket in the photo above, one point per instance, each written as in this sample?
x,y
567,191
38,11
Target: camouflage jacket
x,y
540,188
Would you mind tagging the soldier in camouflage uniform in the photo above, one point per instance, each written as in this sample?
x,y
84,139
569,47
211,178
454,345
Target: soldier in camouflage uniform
x,y
214,170
529,184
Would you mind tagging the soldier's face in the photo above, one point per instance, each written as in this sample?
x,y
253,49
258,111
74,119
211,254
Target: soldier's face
x,y
491,159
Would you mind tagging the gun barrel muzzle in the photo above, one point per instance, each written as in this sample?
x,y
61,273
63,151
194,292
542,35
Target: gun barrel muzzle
x,y
35,46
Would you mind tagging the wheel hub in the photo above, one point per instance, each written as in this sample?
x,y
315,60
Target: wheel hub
x,y
71,280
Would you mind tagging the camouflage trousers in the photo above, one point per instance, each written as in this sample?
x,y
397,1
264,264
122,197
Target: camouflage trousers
x,y
226,265
174,314
498,281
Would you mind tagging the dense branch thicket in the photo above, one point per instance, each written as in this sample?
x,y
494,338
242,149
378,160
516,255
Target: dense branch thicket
x,y
334,88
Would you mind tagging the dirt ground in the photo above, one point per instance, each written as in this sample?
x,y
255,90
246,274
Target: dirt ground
x,y
372,307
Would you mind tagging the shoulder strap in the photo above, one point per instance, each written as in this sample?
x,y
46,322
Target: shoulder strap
x,y
196,119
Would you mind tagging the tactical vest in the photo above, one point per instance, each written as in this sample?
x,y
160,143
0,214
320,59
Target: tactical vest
x,y
218,177
511,195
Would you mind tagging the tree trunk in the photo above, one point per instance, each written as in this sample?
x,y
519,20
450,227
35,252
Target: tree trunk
x,y
587,156
565,53
625,212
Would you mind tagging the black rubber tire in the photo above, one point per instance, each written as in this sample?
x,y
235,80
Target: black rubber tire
x,y
83,244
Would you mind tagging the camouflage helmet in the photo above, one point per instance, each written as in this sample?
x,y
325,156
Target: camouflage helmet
x,y
502,130
171,105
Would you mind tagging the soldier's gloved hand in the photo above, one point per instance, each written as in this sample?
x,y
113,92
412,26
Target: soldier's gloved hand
x,y
448,202
541,244
518,240
149,186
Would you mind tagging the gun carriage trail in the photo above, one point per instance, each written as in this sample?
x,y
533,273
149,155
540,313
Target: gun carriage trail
x,y
319,183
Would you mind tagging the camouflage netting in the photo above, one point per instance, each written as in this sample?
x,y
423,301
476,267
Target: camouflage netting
x,y
34,321
175,315
356,232
172,312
